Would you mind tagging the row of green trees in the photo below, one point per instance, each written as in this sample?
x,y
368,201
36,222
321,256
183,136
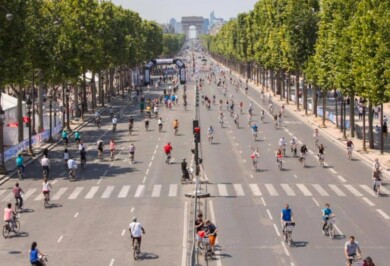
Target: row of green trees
x,y
172,43
57,42
333,44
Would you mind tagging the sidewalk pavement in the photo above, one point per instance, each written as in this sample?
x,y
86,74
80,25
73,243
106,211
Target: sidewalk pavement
x,y
331,131
38,150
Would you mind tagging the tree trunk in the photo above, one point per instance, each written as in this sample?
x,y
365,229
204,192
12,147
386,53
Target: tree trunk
x,y
279,84
352,114
297,89
315,100
106,87
40,105
93,91
85,101
111,78
19,111
323,108
304,95
370,125
337,110
75,101
288,87
283,82
272,76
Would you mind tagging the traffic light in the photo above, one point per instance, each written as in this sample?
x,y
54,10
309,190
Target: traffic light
x,y
197,134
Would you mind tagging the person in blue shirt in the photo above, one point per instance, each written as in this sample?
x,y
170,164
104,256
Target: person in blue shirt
x,y
20,162
326,213
65,136
77,136
34,255
286,215
254,128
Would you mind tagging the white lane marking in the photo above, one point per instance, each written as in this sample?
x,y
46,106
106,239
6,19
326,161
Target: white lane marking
x,y
295,176
139,191
91,192
144,180
75,193
76,214
342,179
338,230
157,144
368,190
320,190
132,209
384,215
105,172
369,202
124,191
100,180
332,170
222,190
262,199
111,164
156,191
239,190
276,230
107,192
172,190
39,197
8,197
269,214
59,193
185,224
336,190
255,190
147,171
123,232
304,190
152,158
150,165
251,176
353,190
59,239
271,189
288,190
29,193
316,202
112,262
154,152
285,249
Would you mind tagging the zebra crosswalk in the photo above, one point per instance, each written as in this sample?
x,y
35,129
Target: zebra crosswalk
x,y
221,190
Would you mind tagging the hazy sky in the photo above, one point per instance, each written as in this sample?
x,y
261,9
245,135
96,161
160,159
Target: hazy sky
x,y
162,10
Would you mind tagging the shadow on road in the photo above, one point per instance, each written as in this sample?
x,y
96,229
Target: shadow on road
x,y
148,256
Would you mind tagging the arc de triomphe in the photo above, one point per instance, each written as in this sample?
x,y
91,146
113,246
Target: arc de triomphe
x,y
187,22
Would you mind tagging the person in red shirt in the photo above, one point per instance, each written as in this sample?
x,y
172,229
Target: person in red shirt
x,y
17,191
167,150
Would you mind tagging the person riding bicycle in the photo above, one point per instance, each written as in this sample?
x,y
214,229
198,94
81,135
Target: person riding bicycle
x,y
160,124
262,114
211,233
303,152
286,216
321,151
368,262
100,146
221,116
175,124
20,162
83,155
326,213
132,151
184,169
255,155
18,191
112,147
114,122
45,163
9,215
97,118
351,249
349,146
155,110
34,255
282,145
376,165
146,124
77,136
276,120
210,132
65,136
46,187
72,166
316,133
236,117
293,144
279,155
167,149
131,123
136,230
66,155
254,128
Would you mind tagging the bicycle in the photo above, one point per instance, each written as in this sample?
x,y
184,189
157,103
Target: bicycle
x,y
254,164
210,137
20,173
236,123
221,122
349,153
160,126
279,162
302,160
45,173
316,142
113,128
136,250
355,258
43,259
321,160
18,204
11,226
294,150
130,129
72,174
131,155
254,135
83,162
377,186
187,176
112,155
176,131
329,228
287,232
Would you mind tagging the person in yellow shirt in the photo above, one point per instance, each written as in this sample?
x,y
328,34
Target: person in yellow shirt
x,y
176,126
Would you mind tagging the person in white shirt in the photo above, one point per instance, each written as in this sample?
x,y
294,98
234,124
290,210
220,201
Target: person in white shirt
x,y
282,145
136,230
72,166
45,163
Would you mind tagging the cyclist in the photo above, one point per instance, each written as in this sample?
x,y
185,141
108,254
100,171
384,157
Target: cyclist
x,y
131,124
18,191
81,146
132,152
376,166
111,112
45,163
34,255
255,156
286,216
146,124
167,149
351,249
97,119
276,121
321,152
112,148
221,119
303,152
236,117
184,169
262,115
46,187
316,133
175,126
72,166
65,137
349,147
136,230
114,122
270,107
210,133
77,136
293,145
83,156
160,124
254,130
241,106
282,145
9,215
211,232
326,213
155,111
100,146
66,155
20,162
279,155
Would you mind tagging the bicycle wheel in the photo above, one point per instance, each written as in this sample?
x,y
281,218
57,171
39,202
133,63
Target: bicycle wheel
x,y
17,227
331,231
289,239
136,250
6,231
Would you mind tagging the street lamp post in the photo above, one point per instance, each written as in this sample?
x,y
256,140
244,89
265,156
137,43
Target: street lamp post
x,y
3,170
50,97
30,150
67,109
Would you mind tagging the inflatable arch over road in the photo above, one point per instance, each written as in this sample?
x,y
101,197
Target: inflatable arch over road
x,y
169,61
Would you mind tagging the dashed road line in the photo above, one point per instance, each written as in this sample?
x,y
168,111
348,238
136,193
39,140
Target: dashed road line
x,y
316,202
269,214
369,202
76,214
59,239
384,215
332,170
342,179
276,229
